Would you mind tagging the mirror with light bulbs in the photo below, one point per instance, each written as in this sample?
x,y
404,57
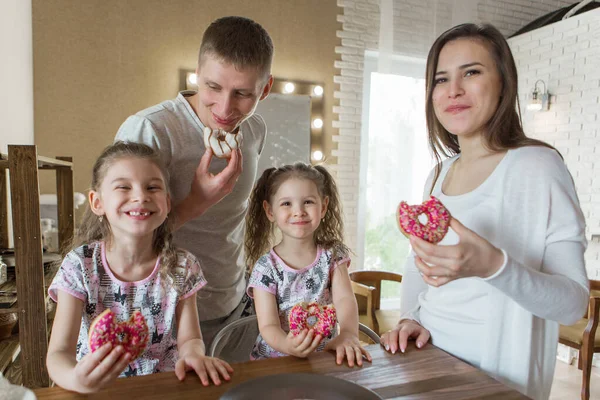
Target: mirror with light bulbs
x,y
315,91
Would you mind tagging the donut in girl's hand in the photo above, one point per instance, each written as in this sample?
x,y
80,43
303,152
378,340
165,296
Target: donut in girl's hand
x,y
131,334
222,143
429,221
321,319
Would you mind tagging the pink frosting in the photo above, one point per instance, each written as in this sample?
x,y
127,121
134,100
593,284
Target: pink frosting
x,y
131,334
324,318
438,220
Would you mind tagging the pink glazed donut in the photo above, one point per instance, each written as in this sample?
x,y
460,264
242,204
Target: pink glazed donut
x,y
433,229
311,315
131,334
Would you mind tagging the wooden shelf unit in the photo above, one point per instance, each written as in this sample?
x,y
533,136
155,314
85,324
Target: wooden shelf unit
x,y
23,164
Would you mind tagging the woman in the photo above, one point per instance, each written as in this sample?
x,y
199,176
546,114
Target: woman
x,y
496,288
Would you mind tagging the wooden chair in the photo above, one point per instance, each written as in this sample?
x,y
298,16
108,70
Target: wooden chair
x,y
584,337
367,288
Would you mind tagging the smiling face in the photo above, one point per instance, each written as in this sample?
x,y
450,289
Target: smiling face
x,y
467,87
297,208
132,197
226,95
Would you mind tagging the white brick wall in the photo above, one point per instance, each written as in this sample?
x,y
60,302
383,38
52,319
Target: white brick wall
x,y
570,66
416,24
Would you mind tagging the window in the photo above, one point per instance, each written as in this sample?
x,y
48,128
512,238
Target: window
x,y
395,162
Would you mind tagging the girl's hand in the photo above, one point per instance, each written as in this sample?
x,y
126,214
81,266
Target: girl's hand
x,y
472,256
347,345
398,337
303,344
97,369
205,367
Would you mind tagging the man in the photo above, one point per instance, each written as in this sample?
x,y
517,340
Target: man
x,y
210,194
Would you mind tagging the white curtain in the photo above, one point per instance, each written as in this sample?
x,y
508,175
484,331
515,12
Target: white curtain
x,y
386,36
444,15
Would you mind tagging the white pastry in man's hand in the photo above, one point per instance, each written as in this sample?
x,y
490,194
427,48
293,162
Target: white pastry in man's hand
x,y
222,143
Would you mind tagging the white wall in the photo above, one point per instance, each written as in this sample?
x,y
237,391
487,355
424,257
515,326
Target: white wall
x,y
416,24
16,73
16,79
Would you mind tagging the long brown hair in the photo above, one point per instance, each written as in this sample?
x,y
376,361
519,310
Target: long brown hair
x,y
260,231
504,130
94,229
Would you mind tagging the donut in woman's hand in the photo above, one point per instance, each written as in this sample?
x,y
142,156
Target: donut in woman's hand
x,y
321,319
222,143
131,334
429,221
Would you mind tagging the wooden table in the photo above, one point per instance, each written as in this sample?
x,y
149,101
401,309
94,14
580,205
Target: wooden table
x,y
428,373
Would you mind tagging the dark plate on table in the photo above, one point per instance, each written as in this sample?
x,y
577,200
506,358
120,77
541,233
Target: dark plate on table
x,y
299,387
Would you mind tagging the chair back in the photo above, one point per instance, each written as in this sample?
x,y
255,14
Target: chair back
x,y
583,336
366,286
216,345
373,279
594,292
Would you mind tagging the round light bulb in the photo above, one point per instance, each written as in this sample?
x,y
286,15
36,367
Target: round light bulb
x,y
193,79
317,155
317,123
318,90
289,87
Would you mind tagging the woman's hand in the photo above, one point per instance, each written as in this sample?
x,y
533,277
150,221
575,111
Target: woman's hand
x,y
398,337
207,368
473,256
347,346
303,344
98,369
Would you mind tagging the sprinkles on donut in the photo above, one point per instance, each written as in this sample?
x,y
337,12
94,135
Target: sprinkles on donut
x,y
435,226
322,319
131,334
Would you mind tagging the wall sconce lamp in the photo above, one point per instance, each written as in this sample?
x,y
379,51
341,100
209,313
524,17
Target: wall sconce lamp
x,y
317,155
539,101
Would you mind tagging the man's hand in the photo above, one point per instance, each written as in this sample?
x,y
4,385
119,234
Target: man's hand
x,y
208,189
